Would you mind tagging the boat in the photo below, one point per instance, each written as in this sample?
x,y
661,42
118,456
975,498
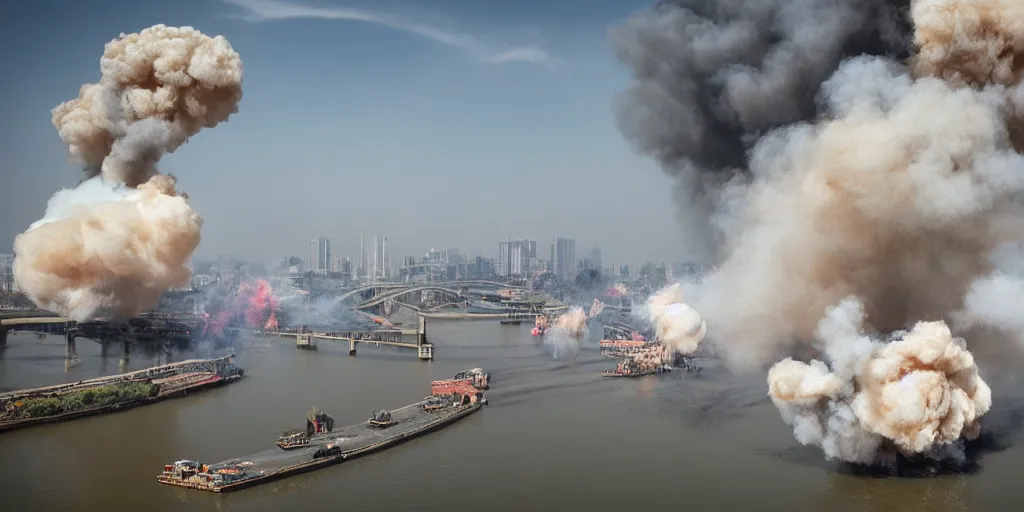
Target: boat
x,y
436,403
644,358
630,368
478,378
62,402
511,322
318,422
292,439
381,419
540,325
459,399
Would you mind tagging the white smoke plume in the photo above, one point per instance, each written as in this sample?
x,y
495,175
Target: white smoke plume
x,y
919,394
677,325
125,235
566,334
903,189
898,195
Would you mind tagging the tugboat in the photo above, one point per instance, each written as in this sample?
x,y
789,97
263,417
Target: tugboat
x,y
317,422
381,419
477,377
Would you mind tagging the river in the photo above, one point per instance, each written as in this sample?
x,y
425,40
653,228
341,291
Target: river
x,y
556,436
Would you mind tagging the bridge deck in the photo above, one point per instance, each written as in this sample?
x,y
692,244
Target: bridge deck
x,y
38,320
350,339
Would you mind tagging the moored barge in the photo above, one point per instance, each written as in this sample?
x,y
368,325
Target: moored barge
x,y
63,402
448,403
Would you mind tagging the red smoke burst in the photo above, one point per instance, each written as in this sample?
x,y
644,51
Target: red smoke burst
x,y
260,303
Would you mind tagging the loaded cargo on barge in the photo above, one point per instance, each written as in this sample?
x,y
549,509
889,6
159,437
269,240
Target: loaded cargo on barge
x,y
450,401
643,358
102,395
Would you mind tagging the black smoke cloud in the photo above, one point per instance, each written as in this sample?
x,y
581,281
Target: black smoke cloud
x,y
711,77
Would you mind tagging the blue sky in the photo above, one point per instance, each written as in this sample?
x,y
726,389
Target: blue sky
x,y
438,123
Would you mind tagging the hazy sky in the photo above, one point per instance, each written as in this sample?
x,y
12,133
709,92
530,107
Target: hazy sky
x,y
438,123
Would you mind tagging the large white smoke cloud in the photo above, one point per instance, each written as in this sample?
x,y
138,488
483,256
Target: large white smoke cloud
x,y
125,235
676,324
904,193
919,394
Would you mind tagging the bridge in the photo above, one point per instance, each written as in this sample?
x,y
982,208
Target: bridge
x,y
386,337
450,294
148,327
379,287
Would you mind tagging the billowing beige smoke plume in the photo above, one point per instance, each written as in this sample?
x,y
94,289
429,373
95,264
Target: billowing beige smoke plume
x,y
573,323
919,394
678,326
898,196
125,235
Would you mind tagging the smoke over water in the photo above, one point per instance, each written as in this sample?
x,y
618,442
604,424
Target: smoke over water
x,y
567,332
887,180
118,240
918,394
677,325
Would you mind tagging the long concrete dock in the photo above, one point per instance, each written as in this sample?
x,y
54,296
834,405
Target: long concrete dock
x,y
354,441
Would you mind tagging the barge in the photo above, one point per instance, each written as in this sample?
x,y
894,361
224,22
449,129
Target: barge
x,y
450,401
643,358
63,402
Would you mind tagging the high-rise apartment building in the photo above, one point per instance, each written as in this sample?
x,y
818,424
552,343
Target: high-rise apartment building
x,y
563,258
381,259
514,257
319,256
362,256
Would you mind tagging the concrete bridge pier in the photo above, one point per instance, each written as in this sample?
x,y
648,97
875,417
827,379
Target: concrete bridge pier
x,y
126,351
70,349
352,346
421,331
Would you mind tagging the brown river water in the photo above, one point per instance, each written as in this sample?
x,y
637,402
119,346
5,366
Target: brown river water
x,y
556,436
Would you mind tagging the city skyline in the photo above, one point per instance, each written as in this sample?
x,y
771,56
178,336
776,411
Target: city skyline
x,y
513,257
353,126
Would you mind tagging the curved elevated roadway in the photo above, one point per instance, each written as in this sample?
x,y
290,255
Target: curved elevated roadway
x,y
393,295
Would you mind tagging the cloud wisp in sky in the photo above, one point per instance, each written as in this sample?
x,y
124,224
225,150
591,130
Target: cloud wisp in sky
x,y
275,10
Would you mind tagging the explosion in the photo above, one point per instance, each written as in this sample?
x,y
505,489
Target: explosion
x,y
123,236
260,304
573,323
917,394
828,162
569,328
678,326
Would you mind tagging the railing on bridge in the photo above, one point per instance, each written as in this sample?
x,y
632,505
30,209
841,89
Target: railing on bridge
x,y
384,335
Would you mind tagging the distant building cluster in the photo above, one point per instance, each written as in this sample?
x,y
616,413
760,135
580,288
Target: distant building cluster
x,y
7,273
517,260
